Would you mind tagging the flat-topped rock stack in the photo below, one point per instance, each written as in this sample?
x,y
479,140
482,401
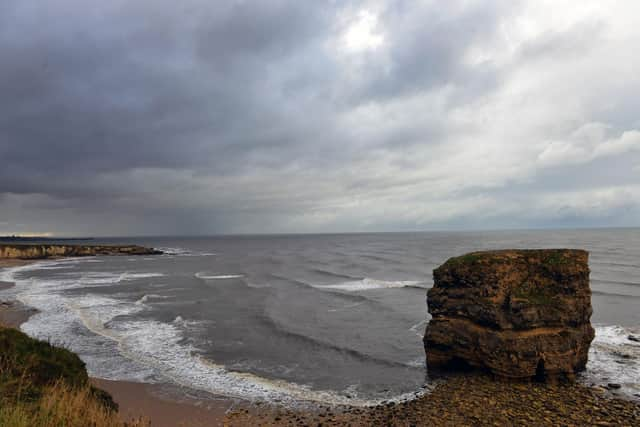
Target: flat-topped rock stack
x,y
520,314
34,251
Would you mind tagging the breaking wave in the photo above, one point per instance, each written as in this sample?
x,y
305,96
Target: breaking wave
x,y
184,252
614,357
115,345
368,284
205,276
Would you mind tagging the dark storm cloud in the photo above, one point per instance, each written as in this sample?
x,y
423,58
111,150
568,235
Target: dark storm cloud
x,y
136,89
190,117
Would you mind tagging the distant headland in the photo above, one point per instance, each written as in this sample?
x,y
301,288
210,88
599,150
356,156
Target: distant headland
x,y
18,238
18,250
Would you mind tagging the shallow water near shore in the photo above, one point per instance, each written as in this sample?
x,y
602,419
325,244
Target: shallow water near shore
x,y
335,319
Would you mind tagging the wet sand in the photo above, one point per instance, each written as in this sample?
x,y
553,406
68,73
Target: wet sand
x,y
13,313
137,400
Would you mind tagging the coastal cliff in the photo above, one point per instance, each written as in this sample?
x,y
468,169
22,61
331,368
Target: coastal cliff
x,y
33,251
520,314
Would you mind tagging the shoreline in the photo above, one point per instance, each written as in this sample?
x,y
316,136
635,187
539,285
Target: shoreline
x,y
13,313
473,399
135,400
162,407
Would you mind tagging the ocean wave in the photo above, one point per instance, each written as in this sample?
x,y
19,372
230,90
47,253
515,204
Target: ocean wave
x,y
161,347
135,276
184,252
61,320
145,298
615,282
334,274
320,344
614,358
375,257
105,278
613,294
116,346
341,295
346,307
206,276
368,284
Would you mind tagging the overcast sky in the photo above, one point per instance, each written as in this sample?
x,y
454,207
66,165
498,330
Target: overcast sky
x,y
165,117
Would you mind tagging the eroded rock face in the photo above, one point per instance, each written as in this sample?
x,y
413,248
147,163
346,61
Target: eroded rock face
x,y
518,313
33,251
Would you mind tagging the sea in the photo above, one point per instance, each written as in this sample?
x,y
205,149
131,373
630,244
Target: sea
x,y
325,318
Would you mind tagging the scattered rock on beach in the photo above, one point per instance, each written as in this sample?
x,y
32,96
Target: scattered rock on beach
x,y
464,400
520,314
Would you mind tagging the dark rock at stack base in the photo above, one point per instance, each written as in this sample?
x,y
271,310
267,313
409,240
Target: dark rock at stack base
x,y
521,314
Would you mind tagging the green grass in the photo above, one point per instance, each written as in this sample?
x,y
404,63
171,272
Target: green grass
x,y
556,258
470,258
42,385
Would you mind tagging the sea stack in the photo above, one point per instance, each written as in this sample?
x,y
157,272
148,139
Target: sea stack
x,y
521,314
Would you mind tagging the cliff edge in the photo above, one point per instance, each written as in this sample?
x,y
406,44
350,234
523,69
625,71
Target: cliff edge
x,y
520,314
33,251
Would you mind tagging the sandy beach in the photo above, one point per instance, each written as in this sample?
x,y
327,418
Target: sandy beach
x,y
136,400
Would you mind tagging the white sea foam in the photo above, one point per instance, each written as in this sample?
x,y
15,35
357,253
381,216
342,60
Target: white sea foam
x,y
184,252
101,330
368,284
62,321
614,358
419,327
205,276
145,298
121,347
134,276
102,278
161,345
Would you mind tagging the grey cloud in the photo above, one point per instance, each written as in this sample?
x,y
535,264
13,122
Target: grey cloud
x,y
198,117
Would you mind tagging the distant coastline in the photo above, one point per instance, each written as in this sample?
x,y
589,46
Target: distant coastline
x,y
14,238
42,251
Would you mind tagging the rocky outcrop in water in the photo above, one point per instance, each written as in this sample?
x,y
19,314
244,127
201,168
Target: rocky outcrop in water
x,y
24,251
518,313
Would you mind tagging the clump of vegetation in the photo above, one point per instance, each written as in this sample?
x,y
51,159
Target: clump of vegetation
x,y
556,258
62,405
535,295
46,386
470,258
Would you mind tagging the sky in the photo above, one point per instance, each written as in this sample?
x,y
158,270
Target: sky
x,y
164,117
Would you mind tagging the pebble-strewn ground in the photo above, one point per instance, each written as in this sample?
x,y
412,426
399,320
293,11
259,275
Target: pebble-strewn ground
x,y
467,401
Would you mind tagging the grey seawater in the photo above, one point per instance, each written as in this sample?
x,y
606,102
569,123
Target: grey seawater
x,y
293,318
